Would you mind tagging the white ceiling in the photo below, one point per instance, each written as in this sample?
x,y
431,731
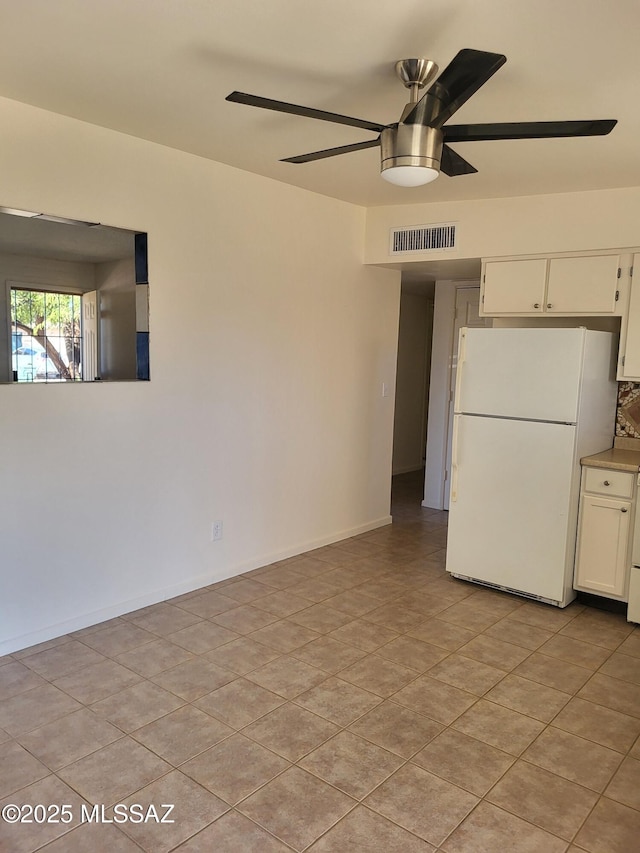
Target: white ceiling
x,y
63,241
161,71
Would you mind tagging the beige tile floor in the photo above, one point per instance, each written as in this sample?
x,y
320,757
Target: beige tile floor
x,y
352,699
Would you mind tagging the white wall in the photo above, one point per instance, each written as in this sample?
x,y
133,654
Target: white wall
x,y
278,427
116,283
45,271
599,219
412,382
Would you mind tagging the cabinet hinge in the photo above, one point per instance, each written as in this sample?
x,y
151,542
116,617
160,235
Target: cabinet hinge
x,y
617,295
446,476
623,358
619,271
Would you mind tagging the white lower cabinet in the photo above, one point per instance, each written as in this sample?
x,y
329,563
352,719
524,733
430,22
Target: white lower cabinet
x,y
605,524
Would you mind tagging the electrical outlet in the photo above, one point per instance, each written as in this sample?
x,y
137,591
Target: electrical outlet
x,y
216,531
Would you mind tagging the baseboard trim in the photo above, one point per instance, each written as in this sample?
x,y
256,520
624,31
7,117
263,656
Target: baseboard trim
x,y
425,505
86,620
408,469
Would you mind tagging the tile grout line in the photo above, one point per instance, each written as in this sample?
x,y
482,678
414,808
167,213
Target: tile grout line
x,y
341,728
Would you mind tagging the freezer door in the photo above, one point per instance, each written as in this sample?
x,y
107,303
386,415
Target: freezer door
x,y
520,373
513,509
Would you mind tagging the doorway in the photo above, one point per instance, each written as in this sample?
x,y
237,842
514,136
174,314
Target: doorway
x,y
412,377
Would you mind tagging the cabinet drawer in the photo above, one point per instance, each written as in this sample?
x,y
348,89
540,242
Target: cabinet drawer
x,y
605,481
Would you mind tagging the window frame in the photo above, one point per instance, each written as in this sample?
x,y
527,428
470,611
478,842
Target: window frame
x,y
40,287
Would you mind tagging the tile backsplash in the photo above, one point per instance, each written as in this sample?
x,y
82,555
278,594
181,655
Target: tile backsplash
x,y
628,411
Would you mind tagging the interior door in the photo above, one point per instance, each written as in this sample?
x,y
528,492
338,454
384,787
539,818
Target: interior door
x,y
466,314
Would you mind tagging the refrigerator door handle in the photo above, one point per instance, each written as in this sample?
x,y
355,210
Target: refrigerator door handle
x,y
462,351
453,494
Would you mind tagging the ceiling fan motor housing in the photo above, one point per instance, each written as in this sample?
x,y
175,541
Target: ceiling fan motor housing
x,y
411,145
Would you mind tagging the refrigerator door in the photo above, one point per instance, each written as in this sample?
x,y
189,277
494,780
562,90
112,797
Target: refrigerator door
x,y
513,508
520,373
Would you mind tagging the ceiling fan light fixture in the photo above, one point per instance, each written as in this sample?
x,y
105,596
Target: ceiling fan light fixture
x,y
410,154
409,176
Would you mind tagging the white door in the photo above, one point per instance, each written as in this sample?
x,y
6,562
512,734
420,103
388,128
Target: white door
x,y
520,373
466,314
513,514
90,336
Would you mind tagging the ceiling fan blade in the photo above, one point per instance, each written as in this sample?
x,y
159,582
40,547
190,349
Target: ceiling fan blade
x,y
465,74
307,112
332,152
452,164
527,130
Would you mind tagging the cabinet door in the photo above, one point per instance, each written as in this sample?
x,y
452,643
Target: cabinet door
x,y
514,287
583,285
602,561
629,364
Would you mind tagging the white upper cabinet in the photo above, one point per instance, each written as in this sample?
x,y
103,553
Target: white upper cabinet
x,y
629,358
586,285
561,286
513,287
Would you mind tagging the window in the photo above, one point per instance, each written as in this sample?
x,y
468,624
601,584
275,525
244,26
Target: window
x,y
46,336
73,301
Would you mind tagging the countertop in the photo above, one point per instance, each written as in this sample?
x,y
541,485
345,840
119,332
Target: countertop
x,y
617,458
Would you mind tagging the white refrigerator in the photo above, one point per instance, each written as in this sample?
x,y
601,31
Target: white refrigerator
x,y
529,403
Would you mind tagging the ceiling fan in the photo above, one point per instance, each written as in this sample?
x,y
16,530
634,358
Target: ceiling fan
x,y
416,148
